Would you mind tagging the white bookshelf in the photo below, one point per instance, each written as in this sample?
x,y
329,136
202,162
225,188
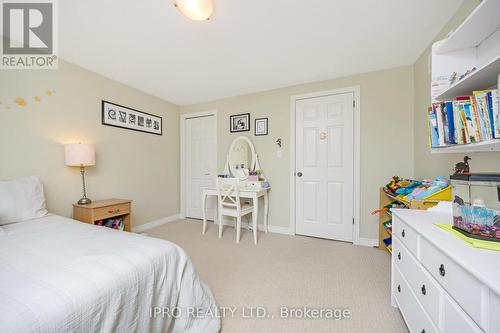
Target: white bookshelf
x,y
481,78
484,146
474,44
478,26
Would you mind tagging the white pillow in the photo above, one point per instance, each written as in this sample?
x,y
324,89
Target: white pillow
x,y
21,199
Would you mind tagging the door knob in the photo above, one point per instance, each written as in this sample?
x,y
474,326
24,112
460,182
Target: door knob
x,y
299,174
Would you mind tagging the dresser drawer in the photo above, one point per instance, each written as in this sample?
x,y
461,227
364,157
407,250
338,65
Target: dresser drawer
x,y
455,320
111,211
414,315
463,287
422,284
407,235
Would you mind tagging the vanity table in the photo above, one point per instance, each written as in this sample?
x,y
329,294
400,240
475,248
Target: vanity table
x,y
241,160
247,193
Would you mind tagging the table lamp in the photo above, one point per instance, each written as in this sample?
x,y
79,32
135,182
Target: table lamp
x,y
80,155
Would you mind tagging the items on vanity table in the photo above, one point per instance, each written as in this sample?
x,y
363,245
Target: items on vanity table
x,y
242,163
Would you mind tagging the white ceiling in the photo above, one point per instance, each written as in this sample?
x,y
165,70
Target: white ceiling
x,y
248,46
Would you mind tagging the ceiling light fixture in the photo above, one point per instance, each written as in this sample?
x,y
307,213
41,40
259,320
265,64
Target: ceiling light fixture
x,y
197,10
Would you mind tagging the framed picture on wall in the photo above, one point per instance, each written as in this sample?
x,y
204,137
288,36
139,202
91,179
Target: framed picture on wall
x,y
239,122
121,116
261,126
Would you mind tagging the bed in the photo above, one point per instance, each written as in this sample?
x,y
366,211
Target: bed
x,y
61,275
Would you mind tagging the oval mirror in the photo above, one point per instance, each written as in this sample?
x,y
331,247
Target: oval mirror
x,y
241,157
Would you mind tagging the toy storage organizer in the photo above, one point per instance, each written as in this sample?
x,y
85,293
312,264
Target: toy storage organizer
x,y
385,215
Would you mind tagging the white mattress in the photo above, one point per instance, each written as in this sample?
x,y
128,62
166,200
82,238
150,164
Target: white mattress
x,y
60,275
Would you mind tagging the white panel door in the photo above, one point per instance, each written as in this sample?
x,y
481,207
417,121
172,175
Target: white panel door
x,y
201,163
324,167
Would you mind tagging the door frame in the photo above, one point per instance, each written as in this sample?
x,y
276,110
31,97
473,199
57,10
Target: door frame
x,y
356,90
183,118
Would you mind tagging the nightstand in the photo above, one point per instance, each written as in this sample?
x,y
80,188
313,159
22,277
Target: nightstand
x,y
104,209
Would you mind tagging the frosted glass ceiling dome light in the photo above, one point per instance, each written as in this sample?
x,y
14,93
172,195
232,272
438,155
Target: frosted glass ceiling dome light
x,y
197,10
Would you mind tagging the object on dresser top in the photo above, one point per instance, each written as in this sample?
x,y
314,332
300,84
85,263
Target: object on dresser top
x,y
463,167
479,243
476,205
110,210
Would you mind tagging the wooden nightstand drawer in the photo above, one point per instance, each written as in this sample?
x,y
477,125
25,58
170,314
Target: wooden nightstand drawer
x,y
111,211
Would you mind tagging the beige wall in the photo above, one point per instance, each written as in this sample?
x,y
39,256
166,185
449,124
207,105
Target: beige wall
x,y
432,165
138,166
386,128
145,167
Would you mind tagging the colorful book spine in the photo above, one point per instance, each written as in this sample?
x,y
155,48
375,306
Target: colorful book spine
x,y
451,122
467,119
433,128
495,105
476,119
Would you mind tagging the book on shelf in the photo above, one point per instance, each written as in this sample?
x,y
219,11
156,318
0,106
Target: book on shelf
x,y
467,119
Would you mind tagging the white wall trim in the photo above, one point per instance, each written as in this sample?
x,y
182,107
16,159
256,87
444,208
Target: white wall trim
x,y
356,90
156,223
183,118
370,242
260,227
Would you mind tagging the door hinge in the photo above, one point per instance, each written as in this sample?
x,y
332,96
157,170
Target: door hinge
x,y
353,104
353,220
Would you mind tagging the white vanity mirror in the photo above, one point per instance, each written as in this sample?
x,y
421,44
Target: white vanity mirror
x,y
241,158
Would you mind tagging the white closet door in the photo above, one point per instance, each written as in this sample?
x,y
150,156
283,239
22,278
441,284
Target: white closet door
x,y
201,163
324,165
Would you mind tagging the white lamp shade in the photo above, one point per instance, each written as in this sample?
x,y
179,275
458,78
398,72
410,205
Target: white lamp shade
x,y
197,10
77,154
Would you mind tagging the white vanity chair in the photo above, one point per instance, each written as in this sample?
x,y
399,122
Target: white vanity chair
x,y
241,152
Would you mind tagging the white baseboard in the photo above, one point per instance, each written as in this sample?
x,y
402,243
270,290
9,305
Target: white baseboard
x,y
271,228
371,242
156,223
277,230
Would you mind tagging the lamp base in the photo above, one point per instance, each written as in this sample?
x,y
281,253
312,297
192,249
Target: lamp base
x,y
84,201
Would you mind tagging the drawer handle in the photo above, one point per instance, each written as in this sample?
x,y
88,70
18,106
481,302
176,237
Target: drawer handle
x,y
424,291
441,270
114,211
399,255
399,288
403,233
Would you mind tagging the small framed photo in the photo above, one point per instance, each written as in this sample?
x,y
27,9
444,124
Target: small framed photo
x,y
239,122
261,126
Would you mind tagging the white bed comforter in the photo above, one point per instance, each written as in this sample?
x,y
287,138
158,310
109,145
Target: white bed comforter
x,y
60,275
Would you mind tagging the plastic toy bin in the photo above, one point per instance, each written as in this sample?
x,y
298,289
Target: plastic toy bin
x,y
476,205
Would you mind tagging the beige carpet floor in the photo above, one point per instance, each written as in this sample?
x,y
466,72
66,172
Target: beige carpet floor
x,y
292,272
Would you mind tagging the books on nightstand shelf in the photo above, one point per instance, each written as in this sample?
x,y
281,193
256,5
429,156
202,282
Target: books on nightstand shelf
x,y
467,119
113,223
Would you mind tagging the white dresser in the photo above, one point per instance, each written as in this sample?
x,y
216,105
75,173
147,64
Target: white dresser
x,y
439,282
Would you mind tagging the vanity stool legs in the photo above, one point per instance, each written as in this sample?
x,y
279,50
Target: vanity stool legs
x,y
238,228
255,215
203,209
266,209
221,225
